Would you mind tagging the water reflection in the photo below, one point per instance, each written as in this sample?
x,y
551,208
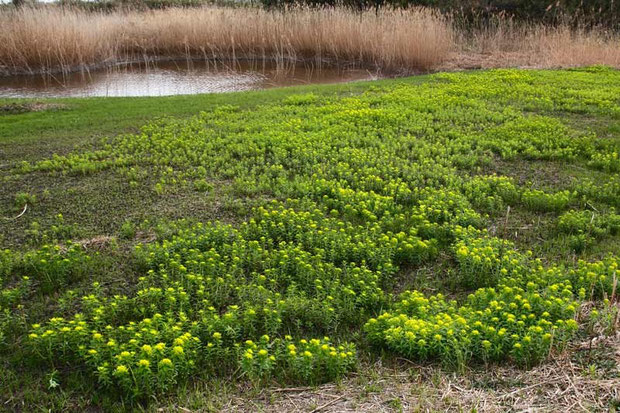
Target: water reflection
x,y
176,78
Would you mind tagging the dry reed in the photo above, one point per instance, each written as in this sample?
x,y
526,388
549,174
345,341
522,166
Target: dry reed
x,y
46,39
508,44
55,39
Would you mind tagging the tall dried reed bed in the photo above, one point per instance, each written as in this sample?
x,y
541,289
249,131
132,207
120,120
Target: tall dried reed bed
x,y
55,39
36,40
51,38
507,44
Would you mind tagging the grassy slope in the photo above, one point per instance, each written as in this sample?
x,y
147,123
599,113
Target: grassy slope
x,y
106,199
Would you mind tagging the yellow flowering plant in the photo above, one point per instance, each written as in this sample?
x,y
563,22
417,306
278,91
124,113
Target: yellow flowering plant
x,y
337,205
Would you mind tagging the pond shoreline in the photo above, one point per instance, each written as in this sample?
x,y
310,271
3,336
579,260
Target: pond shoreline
x,y
175,77
154,61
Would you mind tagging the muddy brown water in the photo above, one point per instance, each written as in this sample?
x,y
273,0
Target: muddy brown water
x,y
176,78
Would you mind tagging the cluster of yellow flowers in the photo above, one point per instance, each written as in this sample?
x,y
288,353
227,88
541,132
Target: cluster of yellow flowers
x,y
530,311
307,361
139,357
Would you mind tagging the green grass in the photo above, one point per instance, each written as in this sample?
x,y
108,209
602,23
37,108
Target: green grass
x,y
80,121
337,211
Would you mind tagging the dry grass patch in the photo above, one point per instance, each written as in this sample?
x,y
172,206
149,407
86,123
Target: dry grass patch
x,y
557,385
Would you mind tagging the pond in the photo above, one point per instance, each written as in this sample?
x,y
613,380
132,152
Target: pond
x,y
176,78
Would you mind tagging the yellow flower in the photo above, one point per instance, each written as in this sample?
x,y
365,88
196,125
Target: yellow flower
x,y
166,362
144,363
121,369
178,350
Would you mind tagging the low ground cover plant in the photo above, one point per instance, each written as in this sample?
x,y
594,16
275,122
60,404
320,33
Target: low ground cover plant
x,y
342,197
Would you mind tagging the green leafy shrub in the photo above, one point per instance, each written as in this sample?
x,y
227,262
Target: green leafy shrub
x,y
55,265
23,198
583,227
608,162
540,201
7,262
312,361
128,230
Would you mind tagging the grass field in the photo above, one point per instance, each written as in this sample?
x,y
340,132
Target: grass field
x,y
380,241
